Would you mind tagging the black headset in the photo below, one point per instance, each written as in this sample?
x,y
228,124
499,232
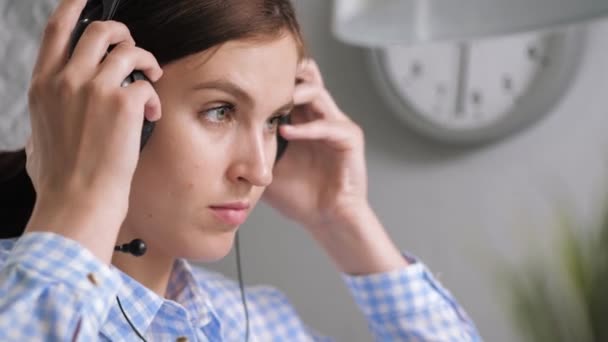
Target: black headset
x,y
105,10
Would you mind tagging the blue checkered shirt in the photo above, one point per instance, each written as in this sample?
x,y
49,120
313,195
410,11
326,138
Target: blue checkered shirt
x,y
54,289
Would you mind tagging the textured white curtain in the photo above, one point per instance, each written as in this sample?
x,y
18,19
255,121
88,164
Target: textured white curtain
x,y
21,24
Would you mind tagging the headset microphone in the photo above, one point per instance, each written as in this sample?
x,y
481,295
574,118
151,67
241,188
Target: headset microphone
x,y
137,247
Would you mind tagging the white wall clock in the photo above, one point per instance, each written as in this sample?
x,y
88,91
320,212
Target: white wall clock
x,y
478,91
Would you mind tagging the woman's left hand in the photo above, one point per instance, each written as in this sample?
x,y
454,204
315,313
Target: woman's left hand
x,y
321,180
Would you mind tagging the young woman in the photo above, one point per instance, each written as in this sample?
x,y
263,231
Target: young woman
x,y
222,74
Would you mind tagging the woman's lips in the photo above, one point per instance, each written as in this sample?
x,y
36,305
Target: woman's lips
x,y
232,214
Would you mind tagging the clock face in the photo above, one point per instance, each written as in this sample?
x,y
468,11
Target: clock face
x,y
477,90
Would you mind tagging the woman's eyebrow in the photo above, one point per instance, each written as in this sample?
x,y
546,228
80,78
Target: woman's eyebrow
x,y
236,91
225,86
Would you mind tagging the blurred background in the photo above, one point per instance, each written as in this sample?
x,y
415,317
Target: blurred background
x,y
464,210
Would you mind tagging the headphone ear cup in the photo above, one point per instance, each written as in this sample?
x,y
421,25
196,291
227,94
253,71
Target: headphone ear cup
x,y
282,142
94,10
91,12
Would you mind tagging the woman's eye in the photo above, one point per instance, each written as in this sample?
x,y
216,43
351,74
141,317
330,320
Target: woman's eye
x,y
219,114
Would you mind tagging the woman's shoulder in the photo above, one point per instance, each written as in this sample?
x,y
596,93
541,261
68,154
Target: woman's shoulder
x,y
6,245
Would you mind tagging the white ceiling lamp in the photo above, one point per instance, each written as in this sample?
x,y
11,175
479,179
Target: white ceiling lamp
x,y
469,71
382,22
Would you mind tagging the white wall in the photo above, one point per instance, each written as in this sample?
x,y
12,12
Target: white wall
x,y
21,22
460,211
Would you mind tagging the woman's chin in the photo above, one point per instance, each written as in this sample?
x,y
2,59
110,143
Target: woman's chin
x,y
209,248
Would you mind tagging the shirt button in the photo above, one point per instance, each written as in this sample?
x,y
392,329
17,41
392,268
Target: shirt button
x,y
92,279
182,339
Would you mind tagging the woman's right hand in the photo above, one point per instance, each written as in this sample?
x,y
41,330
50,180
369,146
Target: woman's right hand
x,y
86,128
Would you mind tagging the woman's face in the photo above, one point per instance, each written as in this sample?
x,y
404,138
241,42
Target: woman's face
x,y
212,154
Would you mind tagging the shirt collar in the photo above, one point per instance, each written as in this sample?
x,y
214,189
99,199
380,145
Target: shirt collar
x,y
142,304
184,289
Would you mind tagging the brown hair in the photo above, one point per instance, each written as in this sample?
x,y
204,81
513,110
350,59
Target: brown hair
x,y
170,30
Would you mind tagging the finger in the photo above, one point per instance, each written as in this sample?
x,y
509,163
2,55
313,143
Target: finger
x,y
93,46
309,72
54,47
319,100
125,58
340,135
143,92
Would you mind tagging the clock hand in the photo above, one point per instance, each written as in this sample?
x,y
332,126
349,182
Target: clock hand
x,y
463,71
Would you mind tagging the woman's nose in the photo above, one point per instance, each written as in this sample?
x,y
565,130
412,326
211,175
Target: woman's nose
x,y
252,164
